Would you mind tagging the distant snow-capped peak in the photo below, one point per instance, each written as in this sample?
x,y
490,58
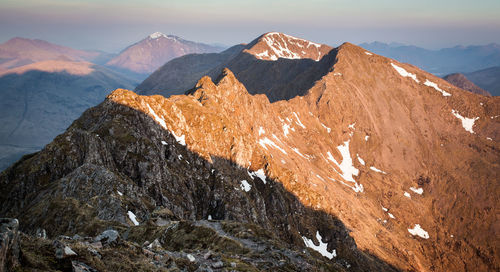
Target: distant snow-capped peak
x,y
280,45
157,35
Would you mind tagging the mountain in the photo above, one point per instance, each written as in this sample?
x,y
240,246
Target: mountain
x,y
278,65
155,50
378,166
458,59
20,51
182,73
488,79
40,100
461,81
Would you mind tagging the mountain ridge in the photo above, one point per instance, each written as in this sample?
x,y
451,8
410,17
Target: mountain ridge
x,y
401,157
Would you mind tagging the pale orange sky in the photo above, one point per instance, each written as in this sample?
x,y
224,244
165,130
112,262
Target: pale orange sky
x,y
113,25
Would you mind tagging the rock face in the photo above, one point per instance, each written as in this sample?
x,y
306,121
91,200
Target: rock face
x,y
9,244
461,81
377,166
275,64
155,50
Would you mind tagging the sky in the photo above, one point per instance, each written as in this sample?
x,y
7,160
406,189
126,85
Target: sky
x,y
115,24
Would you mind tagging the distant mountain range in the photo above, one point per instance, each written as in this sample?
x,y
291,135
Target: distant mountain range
x,y
147,55
458,59
488,79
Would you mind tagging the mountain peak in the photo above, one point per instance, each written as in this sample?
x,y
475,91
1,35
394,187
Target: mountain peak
x,y
157,35
275,45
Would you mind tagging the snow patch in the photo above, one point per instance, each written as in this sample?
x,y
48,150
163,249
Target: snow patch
x,y
279,45
262,55
346,166
318,176
190,258
373,168
391,216
266,141
327,128
296,150
360,160
404,73
261,131
366,138
298,120
245,186
417,230
488,138
322,248
164,143
417,190
285,129
132,217
258,174
407,195
435,86
180,139
158,119
467,123
157,35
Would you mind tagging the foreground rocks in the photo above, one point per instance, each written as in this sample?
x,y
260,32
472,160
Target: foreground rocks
x,y
179,246
9,244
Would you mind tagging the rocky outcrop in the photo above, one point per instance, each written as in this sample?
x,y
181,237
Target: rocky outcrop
x,y
9,244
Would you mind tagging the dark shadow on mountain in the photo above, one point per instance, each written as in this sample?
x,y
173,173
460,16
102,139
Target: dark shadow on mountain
x,y
182,73
281,79
72,186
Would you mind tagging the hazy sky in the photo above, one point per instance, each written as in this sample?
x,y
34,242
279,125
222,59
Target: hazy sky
x,y
114,24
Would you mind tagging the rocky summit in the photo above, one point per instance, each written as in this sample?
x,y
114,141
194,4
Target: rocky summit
x,y
377,166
